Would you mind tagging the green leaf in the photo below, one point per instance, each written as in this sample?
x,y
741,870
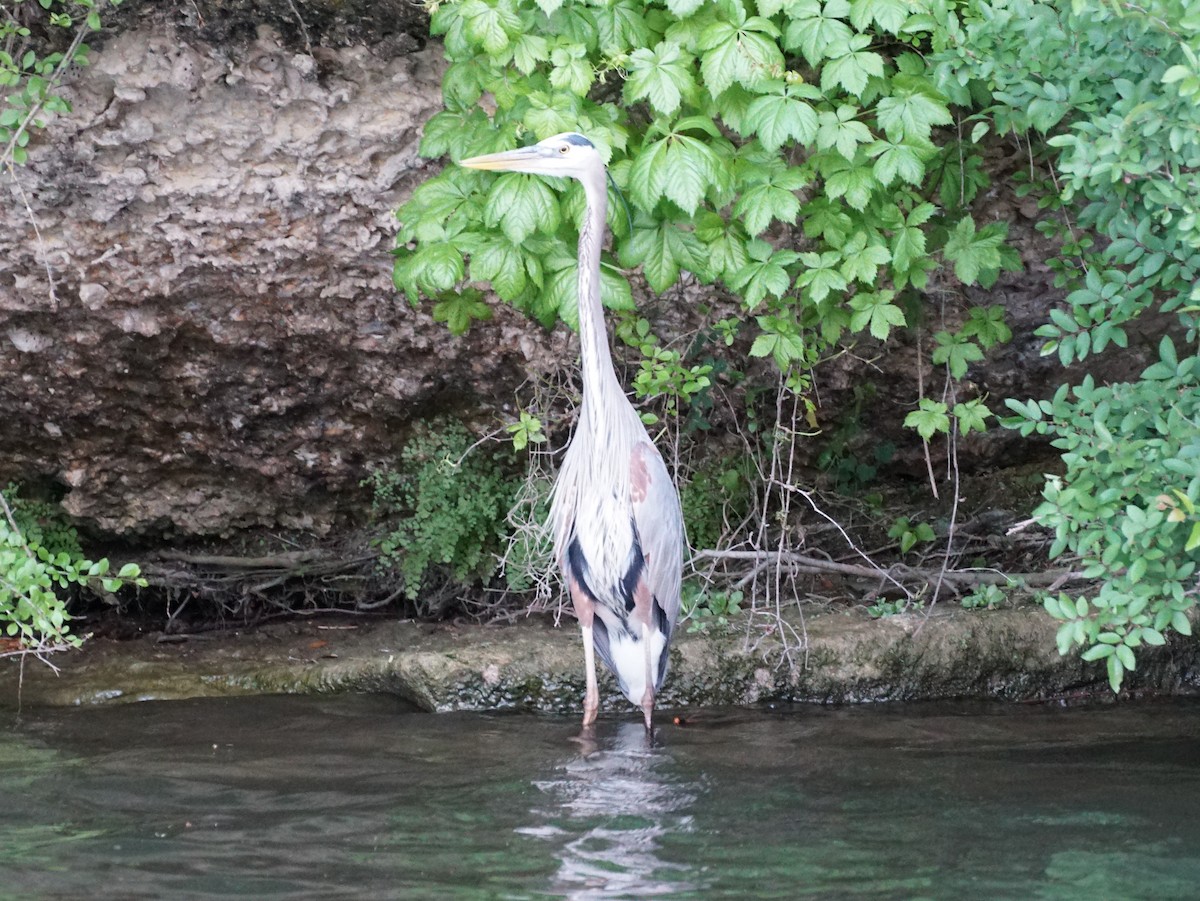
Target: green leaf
x,y
894,161
521,205
855,183
862,259
814,29
889,15
1116,672
434,268
725,243
1097,652
908,246
1180,623
877,313
763,202
928,419
678,167
971,416
502,263
838,129
529,50
1193,541
747,54
458,310
974,253
779,117
571,70
909,115
764,275
852,67
662,250
956,353
820,275
662,75
490,24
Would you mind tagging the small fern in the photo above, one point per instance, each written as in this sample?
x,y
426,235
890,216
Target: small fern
x,y
446,504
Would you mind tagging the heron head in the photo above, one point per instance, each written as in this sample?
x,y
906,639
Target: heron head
x,y
568,154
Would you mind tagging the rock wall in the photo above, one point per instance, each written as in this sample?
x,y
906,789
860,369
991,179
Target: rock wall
x,y
218,344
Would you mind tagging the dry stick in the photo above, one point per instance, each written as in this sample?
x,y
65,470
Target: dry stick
x,y
12,172
951,397
921,394
791,467
303,30
876,569
937,588
809,564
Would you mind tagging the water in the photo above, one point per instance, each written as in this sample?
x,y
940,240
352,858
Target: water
x,y
358,797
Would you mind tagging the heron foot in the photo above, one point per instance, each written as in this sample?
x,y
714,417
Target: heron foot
x,y
591,707
648,709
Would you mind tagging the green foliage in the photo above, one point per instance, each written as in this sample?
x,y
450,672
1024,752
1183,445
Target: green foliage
x,y
525,431
39,557
709,612
929,419
909,534
1126,505
788,150
447,502
882,609
715,499
662,373
985,597
29,75
1113,87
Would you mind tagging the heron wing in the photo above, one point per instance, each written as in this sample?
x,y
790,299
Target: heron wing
x,y
659,524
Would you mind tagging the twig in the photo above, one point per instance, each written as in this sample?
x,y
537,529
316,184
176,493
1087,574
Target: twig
x,y
303,29
921,394
45,254
810,564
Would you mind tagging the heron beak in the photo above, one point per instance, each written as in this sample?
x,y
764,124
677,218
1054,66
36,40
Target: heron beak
x,y
510,160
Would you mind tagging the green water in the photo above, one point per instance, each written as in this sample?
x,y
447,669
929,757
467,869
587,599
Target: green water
x,y
359,797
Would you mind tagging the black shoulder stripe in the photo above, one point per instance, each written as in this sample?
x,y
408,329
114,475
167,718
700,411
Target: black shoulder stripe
x,y
637,563
577,565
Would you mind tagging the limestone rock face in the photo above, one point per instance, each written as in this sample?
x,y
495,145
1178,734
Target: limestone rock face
x,y
201,334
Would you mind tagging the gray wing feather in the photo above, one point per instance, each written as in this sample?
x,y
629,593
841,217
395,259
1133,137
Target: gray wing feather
x,y
660,527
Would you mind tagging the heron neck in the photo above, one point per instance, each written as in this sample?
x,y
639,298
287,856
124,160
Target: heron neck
x,y
599,377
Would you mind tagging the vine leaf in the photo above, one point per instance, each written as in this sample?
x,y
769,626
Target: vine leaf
x,y
521,205
928,419
852,67
875,312
779,117
459,310
662,75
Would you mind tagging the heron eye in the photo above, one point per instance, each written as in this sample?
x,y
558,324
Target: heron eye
x,y
564,149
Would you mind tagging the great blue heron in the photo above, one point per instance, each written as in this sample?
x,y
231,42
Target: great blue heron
x,y
618,530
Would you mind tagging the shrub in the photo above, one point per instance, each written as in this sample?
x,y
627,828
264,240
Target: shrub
x,y
40,556
448,500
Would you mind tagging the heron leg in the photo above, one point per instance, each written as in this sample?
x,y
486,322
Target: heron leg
x,y
648,695
591,699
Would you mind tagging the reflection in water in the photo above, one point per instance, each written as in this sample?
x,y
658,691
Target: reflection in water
x,y
612,803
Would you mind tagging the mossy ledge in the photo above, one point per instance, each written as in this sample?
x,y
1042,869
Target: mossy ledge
x,y
532,665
